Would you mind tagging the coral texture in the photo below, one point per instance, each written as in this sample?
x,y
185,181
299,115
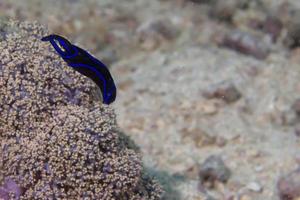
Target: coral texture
x,y
57,141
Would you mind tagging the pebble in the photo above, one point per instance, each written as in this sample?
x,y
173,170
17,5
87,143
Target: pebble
x,y
255,187
108,56
297,130
245,197
259,168
289,117
296,106
246,43
153,32
207,107
292,39
289,186
200,1
225,91
273,26
214,169
198,136
254,153
224,10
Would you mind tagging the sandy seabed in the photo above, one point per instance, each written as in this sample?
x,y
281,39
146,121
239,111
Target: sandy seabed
x,y
171,65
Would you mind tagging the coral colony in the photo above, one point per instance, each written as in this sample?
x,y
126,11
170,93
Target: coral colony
x,y
56,140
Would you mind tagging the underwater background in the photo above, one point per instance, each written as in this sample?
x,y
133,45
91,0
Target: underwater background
x,y
207,90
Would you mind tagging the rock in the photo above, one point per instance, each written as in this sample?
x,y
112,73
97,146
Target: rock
x,y
225,91
221,141
208,107
192,171
296,106
214,169
209,197
255,187
289,118
108,56
258,168
254,153
270,25
224,10
245,197
292,39
198,136
297,130
125,85
295,55
246,43
289,186
153,32
273,27
201,1
297,159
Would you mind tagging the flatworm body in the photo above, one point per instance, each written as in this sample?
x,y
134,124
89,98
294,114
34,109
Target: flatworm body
x,y
86,64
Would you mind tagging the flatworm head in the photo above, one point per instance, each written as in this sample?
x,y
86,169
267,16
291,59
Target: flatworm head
x,y
86,64
62,46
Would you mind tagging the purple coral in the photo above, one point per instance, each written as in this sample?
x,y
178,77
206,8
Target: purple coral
x,y
56,141
10,188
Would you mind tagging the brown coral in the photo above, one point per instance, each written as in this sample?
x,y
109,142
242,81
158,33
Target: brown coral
x,y
56,140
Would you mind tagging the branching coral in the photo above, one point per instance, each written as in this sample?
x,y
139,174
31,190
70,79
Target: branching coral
x,y
56,141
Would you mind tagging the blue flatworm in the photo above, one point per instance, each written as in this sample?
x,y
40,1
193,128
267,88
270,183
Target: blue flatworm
x,y
86,64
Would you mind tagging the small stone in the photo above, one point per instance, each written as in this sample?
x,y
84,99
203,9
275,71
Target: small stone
x,y
247,44
214,169
296,106
292,39
200,1
254,153
273,27
221,141
225,91
192,172
289,117
230,196
224,10
297,159
207,107
153,32
295,55
245,197
297,130
292,115
289,186
259,168
108,56
125,85
198,136
255,187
